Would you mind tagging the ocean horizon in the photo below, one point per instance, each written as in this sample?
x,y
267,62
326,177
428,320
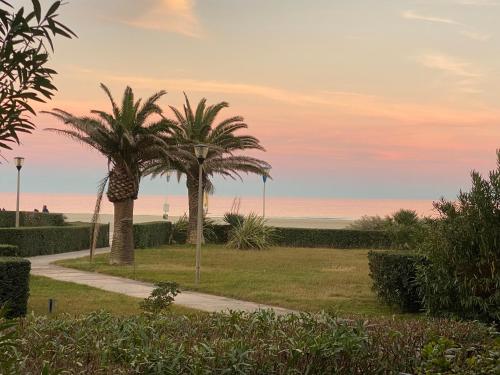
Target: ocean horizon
x,y
276,207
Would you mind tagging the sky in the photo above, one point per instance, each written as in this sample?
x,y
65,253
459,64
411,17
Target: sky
x,y
351,99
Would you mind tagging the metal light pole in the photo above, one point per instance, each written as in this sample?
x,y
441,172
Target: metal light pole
x,y
166,206
19,164
201,152
264,179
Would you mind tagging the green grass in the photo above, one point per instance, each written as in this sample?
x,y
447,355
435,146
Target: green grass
x,y
297,278
78,299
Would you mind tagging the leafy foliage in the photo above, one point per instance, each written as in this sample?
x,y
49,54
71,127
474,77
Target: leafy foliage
x,y
404,227
463,248
14,286
161,297
251,233
394,276
8,345
238,342
26,42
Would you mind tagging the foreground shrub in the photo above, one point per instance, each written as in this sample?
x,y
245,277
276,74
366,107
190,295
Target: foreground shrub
x,y
14,286
161,297
394,276
52,240
463,248
251,233
244,343
152,234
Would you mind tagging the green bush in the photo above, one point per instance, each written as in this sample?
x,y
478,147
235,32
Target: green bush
x,y
152,234
334,238
14,285
393,277
463,247
161,297
238,343
251,233
32,241
179,230
8,251
233,219
30,219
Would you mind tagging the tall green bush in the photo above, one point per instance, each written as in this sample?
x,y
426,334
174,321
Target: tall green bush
x,y
14,286
463,247
32,241
393,275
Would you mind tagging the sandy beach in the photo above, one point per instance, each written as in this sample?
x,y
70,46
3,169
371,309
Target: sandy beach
x,y
326,223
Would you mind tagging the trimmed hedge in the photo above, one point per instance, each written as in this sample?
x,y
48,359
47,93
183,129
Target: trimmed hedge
x,y
393,275
32,241
334,238
30,219
14,285
8,250
152,234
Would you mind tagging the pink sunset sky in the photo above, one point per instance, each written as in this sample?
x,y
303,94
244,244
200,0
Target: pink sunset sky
x,y
352,99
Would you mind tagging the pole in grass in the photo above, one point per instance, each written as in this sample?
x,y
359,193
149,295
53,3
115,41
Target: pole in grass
x,y
265,175
201,152
19,164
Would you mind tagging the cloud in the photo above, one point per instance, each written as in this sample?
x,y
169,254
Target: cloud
x,y
479,2
412,15
481,37
176,16
466,76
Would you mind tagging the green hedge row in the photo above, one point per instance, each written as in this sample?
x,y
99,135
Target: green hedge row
x,y
30,219
32,241
14,285
152,234
334,238
393,275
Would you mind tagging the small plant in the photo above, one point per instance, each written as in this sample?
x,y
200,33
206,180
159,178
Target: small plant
x,y
8,344
161,297
251,233
233,219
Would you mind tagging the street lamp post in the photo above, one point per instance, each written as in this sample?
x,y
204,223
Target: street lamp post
x,y
201,152
166,206
19,164
264,180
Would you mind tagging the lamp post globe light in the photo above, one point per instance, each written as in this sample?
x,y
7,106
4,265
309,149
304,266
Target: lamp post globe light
x,y
19,161
265,175
201,152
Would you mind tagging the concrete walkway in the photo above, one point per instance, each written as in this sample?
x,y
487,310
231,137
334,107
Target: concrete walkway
x,y
41,266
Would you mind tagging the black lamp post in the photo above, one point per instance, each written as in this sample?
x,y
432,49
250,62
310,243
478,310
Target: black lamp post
x,y
19,164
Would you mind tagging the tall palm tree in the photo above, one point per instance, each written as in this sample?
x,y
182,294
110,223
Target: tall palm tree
x,y
129,138
224,156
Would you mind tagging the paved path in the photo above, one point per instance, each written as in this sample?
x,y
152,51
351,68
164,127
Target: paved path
x,y
41,266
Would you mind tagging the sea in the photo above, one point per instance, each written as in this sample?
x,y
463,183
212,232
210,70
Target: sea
x,y
281,211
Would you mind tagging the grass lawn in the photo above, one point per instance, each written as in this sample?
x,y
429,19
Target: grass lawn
x,y
297,278
78,299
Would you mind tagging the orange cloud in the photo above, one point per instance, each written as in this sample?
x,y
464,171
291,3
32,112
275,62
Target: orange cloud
x,y
176,16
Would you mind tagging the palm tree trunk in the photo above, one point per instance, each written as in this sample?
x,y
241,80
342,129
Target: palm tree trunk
x,y
192,186
122,247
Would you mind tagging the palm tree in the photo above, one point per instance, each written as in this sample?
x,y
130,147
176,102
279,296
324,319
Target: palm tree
x,y
224,157
129,138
